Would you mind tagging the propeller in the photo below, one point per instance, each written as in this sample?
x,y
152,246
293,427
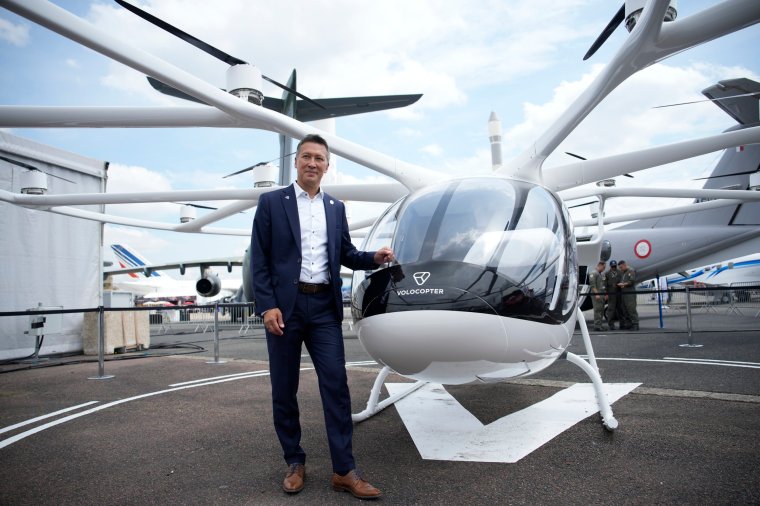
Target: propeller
x,y
617,19
258,165
727,175
582,158
31,167
203,46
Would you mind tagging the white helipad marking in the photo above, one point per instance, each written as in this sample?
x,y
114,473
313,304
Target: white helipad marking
x,y
37,419
442,429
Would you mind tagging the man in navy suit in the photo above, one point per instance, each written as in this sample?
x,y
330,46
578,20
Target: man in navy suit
x,y
300,239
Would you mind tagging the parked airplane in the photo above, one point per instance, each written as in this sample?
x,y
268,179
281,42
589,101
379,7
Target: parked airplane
x,y
744,269
147,280
485,287
707,231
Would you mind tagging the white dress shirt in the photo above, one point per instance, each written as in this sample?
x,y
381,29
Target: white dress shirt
x,y
311,215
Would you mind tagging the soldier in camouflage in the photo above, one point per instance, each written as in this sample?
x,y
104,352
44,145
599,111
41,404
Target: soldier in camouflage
x,y
611,279
628,285
597,285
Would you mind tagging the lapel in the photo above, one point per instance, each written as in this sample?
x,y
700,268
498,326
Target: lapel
x,y
288,198
330,221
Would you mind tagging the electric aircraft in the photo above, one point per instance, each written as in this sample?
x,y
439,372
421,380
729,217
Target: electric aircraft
x,y
485,285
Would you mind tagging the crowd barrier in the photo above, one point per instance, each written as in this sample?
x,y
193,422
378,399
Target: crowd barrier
x,y
201,319
741,299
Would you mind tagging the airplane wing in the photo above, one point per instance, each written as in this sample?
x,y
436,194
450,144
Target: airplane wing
x,y
148,269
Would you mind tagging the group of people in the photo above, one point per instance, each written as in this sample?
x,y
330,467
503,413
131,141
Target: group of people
x,y
618,289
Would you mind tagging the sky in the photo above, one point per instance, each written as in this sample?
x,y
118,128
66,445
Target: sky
x,y
520,58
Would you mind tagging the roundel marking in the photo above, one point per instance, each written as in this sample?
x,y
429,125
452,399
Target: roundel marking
x,y
643,248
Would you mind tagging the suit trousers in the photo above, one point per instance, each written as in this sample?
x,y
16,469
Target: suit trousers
x,y
313,323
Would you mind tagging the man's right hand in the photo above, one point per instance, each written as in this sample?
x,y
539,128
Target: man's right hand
x,y
273,321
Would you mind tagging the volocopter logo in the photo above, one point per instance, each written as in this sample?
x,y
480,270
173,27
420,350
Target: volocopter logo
x,y
420,277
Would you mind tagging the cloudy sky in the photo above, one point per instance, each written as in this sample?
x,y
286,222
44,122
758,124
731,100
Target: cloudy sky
x,y
519,58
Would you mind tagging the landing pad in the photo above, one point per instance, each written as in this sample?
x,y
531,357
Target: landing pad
x,y
177,430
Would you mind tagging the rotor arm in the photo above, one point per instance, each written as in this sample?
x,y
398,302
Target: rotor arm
x,y
589,171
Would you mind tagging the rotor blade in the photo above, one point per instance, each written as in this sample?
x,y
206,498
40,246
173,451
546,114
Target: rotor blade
x,y
199,206
576,156
579,156
172,91
294,92
584,204
257,165
708,100
31,167
203,46
611,26
727,175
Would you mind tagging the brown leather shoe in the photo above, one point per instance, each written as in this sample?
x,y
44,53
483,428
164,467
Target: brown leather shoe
x,y
294,480
354,483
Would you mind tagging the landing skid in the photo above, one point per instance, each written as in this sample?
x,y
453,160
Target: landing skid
x,y
590,368
373,406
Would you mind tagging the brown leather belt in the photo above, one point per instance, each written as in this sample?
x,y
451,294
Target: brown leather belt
x,y
311,288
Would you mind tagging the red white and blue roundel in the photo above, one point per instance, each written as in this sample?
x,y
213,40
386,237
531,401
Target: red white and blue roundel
x,y
642,248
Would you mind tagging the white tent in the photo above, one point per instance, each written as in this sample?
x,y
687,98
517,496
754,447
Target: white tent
x,y
47,259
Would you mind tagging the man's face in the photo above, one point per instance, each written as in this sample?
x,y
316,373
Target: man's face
x,y
623,267
600,268
311,164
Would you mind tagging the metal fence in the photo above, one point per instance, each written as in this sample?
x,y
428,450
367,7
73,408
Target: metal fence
x,y
741,299
201,319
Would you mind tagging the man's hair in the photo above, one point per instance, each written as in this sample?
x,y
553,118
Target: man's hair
x,y
317,139
601,263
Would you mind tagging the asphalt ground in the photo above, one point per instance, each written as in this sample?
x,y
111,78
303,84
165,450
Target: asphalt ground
x,y
688,435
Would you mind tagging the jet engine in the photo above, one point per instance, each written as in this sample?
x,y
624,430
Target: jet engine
x,y
209,285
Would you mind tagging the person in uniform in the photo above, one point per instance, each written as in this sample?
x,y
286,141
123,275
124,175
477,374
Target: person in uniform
x,y
628,285
611,279
597,285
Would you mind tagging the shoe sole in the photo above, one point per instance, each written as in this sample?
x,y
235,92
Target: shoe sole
x,y
293,490
346,489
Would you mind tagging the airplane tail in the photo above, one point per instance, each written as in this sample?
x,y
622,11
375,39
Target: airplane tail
x,y
128,258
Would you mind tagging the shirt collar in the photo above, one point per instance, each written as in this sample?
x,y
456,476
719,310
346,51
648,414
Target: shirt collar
x,y
300,191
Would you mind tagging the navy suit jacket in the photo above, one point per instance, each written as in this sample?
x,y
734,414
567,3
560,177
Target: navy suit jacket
x,y
276,251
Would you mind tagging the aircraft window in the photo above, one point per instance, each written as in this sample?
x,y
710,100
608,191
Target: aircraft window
x,y
382,232
518,229
444,222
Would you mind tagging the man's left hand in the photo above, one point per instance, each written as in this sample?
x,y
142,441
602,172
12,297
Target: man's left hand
x,y
383,255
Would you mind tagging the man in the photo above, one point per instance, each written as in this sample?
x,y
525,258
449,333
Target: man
x,y
612,278
300,239
596,281
628,285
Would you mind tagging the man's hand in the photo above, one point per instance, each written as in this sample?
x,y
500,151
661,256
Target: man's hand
x,y
383,255
273,321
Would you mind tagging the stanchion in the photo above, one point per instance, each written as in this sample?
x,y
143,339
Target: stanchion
x,y
690,344
101,347
216,337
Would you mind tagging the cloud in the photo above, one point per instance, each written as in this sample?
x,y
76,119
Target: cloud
x,y
362,49
18,35
129,179
626,120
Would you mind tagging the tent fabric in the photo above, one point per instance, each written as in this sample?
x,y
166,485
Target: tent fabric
x,y
48,259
